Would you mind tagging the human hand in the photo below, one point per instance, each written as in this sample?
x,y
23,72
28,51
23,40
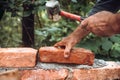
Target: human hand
x,y
103,23
68,42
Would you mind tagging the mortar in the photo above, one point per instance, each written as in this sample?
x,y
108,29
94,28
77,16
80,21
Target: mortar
x,y
98,63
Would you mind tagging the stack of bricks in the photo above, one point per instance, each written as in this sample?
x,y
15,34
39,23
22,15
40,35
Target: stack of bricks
x,y
16,58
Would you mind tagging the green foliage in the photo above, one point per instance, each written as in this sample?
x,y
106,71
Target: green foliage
x,y
107,48
115,51
16,6
50,34
10,31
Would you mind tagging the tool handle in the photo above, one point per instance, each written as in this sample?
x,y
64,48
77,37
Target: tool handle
x,y
71,16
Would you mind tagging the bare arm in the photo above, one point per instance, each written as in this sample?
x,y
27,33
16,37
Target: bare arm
x,y
103,23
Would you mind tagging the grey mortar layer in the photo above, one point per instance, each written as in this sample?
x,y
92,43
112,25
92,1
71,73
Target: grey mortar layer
x,y
98,63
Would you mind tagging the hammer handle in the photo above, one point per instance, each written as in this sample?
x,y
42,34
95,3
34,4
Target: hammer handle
x,y
71,16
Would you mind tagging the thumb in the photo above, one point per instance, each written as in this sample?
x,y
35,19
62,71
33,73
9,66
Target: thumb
x,y
67,51
84,24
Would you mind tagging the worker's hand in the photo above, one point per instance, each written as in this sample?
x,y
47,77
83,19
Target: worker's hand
x,y
103,23
70,41
66,43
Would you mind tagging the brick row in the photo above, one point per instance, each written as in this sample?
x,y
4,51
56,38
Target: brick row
x,y
109,72
26,57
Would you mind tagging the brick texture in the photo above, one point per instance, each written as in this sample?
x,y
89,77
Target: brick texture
x,y
40,74
17,57
26,57
10,75
110,72
78,55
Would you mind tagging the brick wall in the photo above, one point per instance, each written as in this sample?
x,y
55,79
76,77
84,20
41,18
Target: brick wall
x,y
25,64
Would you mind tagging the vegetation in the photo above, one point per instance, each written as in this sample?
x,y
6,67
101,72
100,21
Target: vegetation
x,y
47,32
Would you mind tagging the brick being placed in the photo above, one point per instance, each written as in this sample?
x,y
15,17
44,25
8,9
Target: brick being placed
x,y
17,57
77,56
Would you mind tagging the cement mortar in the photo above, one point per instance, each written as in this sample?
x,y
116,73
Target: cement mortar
x,y
98,63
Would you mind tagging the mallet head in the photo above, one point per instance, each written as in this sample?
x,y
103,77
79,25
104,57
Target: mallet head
x,y
53,10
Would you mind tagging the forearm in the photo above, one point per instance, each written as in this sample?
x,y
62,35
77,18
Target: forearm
x,y
79,33
117,15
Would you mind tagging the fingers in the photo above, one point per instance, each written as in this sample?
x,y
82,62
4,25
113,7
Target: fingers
x,y
67,50
84,24
60,45
56,45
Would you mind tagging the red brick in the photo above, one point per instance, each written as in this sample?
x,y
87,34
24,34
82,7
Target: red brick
x,y
110,72
41,74
10,75
17,57
78,55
